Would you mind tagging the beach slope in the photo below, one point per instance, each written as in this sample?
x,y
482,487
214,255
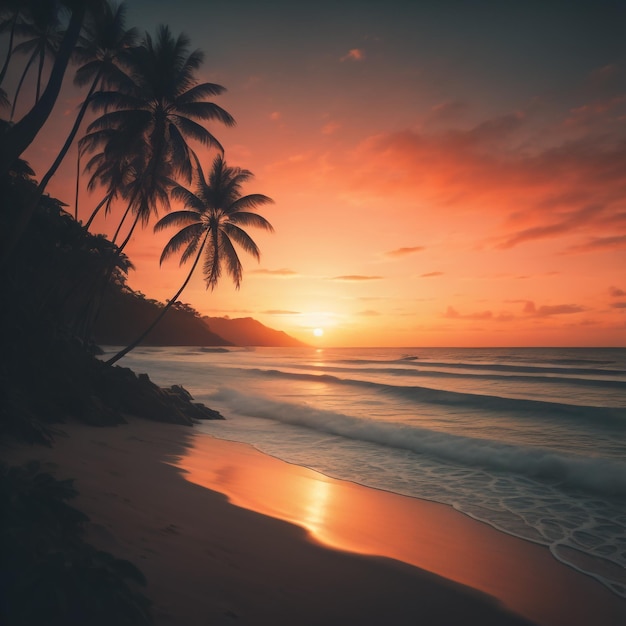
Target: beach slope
x,y
209,561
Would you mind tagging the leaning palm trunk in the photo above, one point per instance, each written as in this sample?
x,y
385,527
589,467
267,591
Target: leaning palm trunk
x,y
20,136
106,200
160,316
70,138
21,83
5,67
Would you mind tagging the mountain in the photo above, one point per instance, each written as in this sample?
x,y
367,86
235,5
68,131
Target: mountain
x,y
246,331
126,314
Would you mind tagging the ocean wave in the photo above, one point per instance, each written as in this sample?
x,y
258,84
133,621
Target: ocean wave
x,y
496,367
525,378
595,475
611,417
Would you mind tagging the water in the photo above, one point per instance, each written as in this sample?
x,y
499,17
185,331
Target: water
x,y
531,441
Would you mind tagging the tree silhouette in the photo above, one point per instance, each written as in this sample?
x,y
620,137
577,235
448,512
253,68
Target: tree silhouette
x,y
103,48
44,30
213,222
150,119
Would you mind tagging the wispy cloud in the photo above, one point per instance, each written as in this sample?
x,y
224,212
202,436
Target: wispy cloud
x,y
618,305
599,243
280,312
547,310
559,186
330,128
281,273
431,274
355,54
616,292
368,313
355,278
453,314
401,252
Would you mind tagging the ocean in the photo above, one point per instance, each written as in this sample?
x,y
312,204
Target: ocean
x,y
531,441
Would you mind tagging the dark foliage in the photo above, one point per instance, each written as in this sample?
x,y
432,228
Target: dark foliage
x,y
48,574
126,313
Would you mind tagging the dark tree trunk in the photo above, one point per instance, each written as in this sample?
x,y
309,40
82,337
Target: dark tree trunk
x,y
20,136
166,308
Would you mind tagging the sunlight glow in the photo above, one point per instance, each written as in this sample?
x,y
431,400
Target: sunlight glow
x,y
318,332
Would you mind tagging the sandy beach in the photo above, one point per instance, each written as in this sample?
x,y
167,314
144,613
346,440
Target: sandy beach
x,y
225,535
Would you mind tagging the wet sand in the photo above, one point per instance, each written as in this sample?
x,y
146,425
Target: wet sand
x,y
227,535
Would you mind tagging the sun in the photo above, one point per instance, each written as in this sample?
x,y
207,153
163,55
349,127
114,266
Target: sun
x,y
318,332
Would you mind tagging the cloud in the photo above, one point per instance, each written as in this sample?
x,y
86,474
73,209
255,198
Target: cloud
x,y
453,314
431,274
355,54
368,313
594,244
446,112
549,187
281,273
597,112
551,309
575,220
530,310
616,292
400,252
618,305
280,312
356,278
330,128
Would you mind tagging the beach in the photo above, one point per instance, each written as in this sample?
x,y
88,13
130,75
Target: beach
x,y
225,534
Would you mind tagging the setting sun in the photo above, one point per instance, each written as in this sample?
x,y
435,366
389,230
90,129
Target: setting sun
x,y
318,332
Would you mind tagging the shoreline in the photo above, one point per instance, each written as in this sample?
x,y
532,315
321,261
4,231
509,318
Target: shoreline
x,y
194,513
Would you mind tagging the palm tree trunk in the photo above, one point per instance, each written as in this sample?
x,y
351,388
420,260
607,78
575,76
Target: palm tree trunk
x,y
130,234
5,67
166,308
77,190
19,85
106,199
20,136
119,226
42,58
70,138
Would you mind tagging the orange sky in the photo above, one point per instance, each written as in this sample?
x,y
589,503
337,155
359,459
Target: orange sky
x,y
443,174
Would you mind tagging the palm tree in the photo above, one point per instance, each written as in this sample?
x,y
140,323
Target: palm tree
x,y
45,31
213,221
12,10
103,48
18,137
157,112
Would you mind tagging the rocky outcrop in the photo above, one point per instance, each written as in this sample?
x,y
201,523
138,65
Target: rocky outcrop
x,y
129,393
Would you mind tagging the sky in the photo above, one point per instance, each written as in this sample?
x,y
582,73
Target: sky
x,y
444,173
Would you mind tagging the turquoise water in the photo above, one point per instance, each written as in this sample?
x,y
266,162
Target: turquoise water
x,y
531,441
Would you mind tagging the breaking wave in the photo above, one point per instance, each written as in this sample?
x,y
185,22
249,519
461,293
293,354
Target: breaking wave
x,y
598,476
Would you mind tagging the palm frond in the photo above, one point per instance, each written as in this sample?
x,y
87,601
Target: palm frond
x,y
251,201
188,198
184,237
176,218
205,111
200,92
196,131
241,238
244,218
181,158
232,262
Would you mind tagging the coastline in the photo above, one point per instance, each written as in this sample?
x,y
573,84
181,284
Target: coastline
x,y
194,514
